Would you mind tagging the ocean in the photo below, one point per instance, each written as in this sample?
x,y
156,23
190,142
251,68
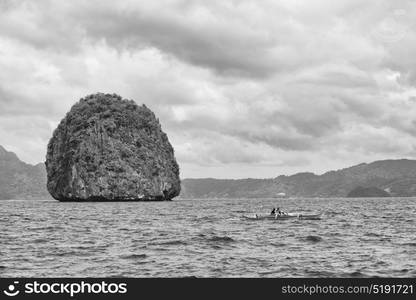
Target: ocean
x,y
208,238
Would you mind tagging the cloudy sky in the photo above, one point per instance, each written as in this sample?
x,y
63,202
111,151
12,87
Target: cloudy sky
x,y
242,88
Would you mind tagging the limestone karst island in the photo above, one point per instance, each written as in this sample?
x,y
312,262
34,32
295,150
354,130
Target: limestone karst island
x,y
110,149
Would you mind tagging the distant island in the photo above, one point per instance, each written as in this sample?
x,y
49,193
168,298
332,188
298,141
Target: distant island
x,y
396,178
19,180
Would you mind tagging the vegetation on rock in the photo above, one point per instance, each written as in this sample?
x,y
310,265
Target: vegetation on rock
x,y
108,148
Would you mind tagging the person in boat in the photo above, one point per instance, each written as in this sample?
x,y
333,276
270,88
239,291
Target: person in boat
x,y
273,212
278,211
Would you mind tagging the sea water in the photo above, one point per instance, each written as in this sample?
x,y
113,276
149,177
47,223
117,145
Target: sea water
x,y
208,238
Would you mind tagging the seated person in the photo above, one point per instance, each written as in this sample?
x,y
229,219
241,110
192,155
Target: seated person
x,y
273,211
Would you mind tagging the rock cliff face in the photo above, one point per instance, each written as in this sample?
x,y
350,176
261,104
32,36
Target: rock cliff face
x,y
110,149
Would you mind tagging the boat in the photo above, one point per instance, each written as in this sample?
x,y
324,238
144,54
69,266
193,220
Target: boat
x,y
285,216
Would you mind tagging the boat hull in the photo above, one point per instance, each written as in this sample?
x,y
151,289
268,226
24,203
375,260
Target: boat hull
x,y
284,217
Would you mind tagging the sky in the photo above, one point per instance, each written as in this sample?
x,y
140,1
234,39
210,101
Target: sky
x,y
242,88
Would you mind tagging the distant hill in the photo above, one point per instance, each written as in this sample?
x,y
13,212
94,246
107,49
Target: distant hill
x,y
360,192
396,177
19,180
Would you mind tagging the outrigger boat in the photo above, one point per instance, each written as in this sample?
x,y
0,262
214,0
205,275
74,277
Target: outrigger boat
x,y
283,216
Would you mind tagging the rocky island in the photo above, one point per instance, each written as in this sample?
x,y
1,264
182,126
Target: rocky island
x,y
110,149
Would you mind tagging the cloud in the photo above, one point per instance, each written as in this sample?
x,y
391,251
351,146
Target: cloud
x,y
242,88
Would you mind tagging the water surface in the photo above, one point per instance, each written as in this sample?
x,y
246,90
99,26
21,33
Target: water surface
x,y
208,238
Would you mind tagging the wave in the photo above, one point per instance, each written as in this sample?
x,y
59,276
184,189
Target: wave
x,y
411,244
221,239
205,218
312,239
133,256
173,243
47,228
381,263
40,241
373,234
217,247
355,274
333,213
278,244
315,273
216,238
270,272
67,253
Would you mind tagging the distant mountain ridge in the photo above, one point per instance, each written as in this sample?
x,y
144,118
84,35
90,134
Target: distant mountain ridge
x,y
397,177
19,180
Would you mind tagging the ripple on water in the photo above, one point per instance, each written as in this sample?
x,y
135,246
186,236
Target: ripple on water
x,y
170,243
312,239
133,256
47,228
40,240
411,244
221,239
373,234
320,273
356,274
278,244
206,238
